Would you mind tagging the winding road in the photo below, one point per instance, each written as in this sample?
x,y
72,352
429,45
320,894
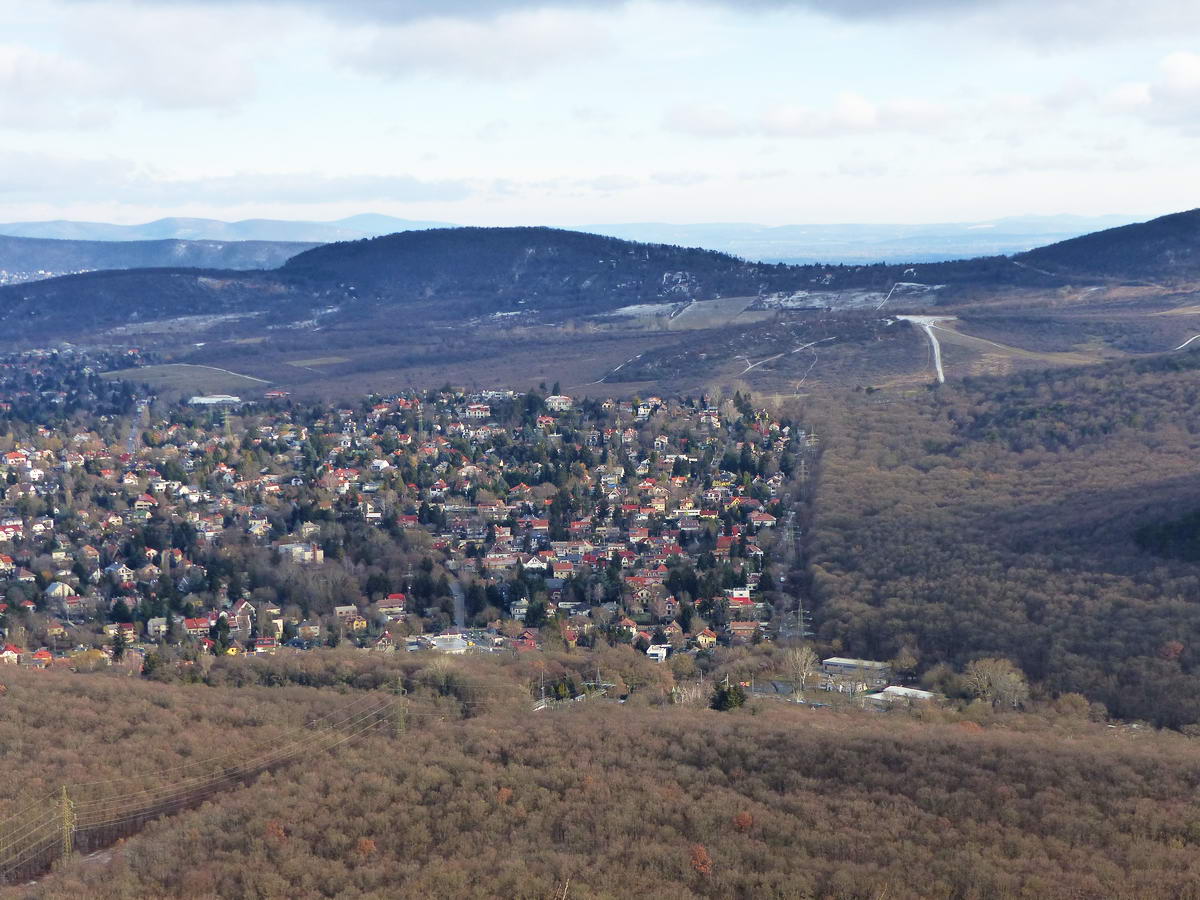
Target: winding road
x,y
929,323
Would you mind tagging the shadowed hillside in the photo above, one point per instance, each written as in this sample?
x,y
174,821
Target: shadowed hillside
x,y
1163,249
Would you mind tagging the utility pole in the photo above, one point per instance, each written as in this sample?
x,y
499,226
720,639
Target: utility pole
x,y
68,823
399,718
801,618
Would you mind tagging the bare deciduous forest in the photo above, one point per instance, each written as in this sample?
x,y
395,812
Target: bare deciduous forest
x,y
1001,517
1036,518
608,801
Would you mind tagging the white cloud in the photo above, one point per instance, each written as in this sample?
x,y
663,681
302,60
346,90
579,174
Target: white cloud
x,y
35,176
609,183
850,113
34,72
705,120
1170,99
1042,21
1130,96
509,45
41,178
1180,77
679,179
36,89
98,56
173,57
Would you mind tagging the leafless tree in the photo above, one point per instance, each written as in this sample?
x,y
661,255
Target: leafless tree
x,y
998,681
801,662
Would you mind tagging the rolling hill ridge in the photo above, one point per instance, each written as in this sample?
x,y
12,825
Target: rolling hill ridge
x,y
459,274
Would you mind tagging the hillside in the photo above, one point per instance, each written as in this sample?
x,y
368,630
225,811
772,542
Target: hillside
x,y
77,306
1021,517
449,274
600,801
494,269
1163,249
26,257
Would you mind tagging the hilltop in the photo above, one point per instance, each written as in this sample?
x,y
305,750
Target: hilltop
x,y
492,269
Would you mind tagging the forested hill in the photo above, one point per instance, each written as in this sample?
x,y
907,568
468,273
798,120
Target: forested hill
x,y
1048,517
1166,248
452,274
577,271
538,267
22,255
444,274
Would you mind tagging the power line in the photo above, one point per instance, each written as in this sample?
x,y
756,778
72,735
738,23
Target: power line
x,y
53,831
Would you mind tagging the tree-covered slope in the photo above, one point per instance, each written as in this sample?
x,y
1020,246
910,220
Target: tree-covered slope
x,y
999,517
602,801
538,267
1163,249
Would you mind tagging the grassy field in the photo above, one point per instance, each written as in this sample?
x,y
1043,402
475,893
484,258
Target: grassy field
x,y
189,379
948,332
318,361
715,313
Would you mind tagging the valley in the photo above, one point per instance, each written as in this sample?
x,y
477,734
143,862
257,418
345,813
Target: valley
x,y
817,557
709,346
563,450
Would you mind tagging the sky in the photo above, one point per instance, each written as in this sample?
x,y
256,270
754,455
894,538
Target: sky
x,y
567,112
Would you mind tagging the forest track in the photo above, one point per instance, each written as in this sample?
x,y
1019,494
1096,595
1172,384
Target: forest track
x,y
929,323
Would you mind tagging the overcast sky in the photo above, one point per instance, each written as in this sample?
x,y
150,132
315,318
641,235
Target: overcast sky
x,y
573,112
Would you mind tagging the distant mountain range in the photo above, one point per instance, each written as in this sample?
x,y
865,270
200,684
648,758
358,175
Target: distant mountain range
x,y
454,275
28,259
785,243
274,230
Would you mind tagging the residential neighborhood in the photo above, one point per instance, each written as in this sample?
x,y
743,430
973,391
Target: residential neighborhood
x,y
445,521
